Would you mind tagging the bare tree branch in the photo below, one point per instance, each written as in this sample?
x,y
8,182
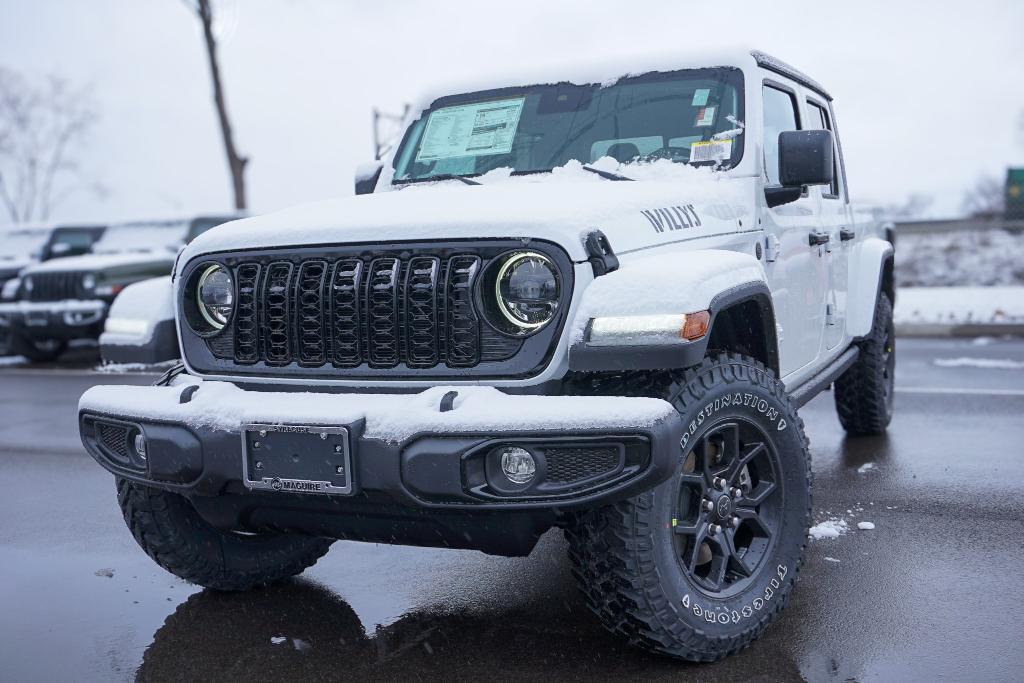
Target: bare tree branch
x,y
236,162
42,128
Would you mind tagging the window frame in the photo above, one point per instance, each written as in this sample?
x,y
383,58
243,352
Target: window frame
x,y
797,111
839,183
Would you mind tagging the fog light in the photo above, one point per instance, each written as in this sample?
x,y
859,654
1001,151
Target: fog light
x,y
140,445
517,465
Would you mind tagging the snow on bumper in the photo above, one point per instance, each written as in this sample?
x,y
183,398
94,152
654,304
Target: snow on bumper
x,y
422,449
71,313
389,417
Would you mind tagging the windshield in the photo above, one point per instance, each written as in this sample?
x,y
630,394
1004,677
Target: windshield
x,y
691,116
21,243
141,237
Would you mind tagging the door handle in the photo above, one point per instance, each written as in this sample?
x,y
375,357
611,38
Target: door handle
x,y
846,234
817,238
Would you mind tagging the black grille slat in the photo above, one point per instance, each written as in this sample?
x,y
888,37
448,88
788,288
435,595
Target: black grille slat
x,y
309,310
277,324
421,312
346,327
246,316
463,326
382,311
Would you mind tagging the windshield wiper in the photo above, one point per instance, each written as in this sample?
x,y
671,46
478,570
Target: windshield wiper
x,y
605,174
453,176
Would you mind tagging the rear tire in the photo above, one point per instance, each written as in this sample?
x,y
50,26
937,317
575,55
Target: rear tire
x,y
652,568
864,393
173,534
37,351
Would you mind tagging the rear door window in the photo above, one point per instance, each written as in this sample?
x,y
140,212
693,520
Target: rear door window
x,y
819,119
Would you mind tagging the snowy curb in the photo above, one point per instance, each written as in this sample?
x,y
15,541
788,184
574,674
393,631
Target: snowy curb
x,y
959,330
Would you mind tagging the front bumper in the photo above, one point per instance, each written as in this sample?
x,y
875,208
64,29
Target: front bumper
x,y
70,319
422,467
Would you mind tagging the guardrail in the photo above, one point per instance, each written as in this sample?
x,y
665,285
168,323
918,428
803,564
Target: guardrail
x,y
953,225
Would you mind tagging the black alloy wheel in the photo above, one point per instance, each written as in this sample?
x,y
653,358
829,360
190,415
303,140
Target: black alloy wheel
x,y
729,507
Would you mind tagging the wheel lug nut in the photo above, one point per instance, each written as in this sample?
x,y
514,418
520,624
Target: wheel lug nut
x,y
708,505
714,529
720,483
734,522
737,493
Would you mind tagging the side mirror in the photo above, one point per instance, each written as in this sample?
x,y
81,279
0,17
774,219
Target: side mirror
x,y
367,176
805,158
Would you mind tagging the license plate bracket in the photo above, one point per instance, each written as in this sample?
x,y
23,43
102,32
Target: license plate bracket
x,y
306,459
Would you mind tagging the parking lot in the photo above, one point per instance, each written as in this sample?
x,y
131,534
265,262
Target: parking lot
x,y
932,591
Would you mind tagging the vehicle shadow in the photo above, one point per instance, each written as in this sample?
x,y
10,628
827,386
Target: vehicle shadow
x,y
300,630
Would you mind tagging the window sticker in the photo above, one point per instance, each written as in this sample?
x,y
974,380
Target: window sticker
x,y
700,97
710,150
705,116
478,129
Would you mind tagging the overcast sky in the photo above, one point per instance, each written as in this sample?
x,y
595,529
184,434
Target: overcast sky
x,y
928,97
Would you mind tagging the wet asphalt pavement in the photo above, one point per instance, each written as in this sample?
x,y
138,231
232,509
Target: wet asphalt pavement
x,y
934,591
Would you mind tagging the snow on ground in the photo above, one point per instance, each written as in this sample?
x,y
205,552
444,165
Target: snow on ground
x,y
121,368
958,259
865,526
830,528
959,305
866,467
9,361
987,363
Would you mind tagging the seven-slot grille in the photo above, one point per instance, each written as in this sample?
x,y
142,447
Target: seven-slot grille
x,y
54,286
381,311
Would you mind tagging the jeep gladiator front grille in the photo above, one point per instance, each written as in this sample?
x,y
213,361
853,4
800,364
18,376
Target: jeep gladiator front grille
x,y
54,286
383,311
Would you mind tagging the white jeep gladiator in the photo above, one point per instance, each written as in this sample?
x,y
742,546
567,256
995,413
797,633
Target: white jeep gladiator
x,y
584,301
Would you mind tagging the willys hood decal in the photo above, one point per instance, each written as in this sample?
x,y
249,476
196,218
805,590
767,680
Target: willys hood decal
x,y
632,214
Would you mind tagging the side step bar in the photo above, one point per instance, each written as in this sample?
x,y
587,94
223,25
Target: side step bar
x,y
816,384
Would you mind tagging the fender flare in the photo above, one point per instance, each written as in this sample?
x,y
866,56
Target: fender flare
x,y
703,282
871,273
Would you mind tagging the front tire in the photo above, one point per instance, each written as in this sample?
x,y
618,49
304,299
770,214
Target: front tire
x,y
652,567
173,534
864,393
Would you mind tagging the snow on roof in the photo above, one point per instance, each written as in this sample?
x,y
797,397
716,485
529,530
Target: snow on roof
x,y
92,262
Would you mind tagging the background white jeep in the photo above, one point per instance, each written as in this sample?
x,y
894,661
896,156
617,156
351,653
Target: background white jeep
x,y
593,302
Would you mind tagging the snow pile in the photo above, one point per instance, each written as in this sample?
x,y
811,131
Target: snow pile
x,y
866,467
136,311
962,258
223,406
13,361
959,305
830,528
676,282
865,526
986,363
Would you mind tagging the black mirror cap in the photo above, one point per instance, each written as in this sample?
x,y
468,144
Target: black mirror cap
x,y
805,158
367,176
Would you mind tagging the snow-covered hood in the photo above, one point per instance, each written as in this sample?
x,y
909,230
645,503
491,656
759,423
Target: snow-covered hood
x,y
9,267
562,211
97,262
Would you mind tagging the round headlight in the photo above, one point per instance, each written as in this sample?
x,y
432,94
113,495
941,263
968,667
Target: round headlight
x,y
215,294
88,281
527,290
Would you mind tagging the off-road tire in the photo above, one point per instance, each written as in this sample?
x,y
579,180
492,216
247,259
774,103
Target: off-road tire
x,y
624,559
37,352
864,393
173,534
